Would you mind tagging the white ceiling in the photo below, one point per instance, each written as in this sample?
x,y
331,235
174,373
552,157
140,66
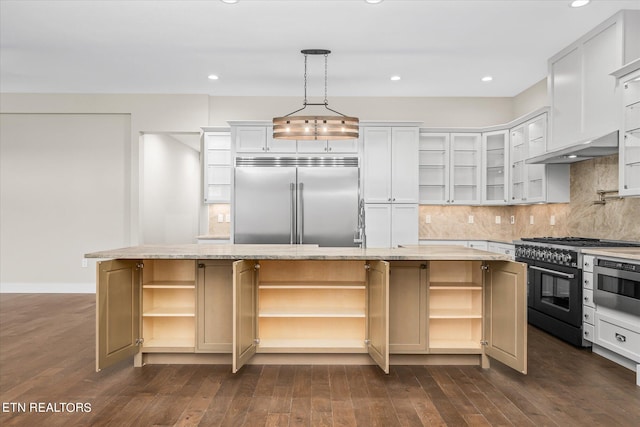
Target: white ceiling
x,y
440,48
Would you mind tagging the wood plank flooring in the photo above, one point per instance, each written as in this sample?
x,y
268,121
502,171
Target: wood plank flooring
x,y
47,352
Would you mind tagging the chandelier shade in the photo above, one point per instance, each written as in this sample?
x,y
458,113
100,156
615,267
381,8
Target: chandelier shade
x,y
315,127
299,127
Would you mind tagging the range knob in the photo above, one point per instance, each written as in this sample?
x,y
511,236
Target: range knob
x,y
555,257
566,258
547,255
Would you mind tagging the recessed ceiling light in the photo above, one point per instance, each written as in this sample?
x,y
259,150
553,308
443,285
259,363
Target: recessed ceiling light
x,y
373,1
579,3
487,78
230,1
212,77
395,78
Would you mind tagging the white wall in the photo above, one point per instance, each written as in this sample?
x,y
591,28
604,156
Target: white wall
x,y
87,197
64,193
170,191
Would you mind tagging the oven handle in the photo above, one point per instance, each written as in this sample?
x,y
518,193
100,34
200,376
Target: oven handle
x,y
557,273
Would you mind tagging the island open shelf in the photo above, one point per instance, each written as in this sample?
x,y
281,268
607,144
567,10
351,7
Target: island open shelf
x,y
187,303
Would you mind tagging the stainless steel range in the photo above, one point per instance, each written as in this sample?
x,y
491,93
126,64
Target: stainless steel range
x,y
554,282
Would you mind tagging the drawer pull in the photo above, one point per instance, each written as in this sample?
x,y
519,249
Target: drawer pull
x,y
621,338
586,333
586,316
586,299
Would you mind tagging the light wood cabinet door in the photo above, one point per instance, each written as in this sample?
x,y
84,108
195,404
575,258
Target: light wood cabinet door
x,y
244,313
215,307
118,311
408,307
505,313
378,313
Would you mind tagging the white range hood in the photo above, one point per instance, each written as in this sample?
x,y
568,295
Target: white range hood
x,y
585,150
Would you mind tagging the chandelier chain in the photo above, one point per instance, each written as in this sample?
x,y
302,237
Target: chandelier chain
x,y
305,79
326,100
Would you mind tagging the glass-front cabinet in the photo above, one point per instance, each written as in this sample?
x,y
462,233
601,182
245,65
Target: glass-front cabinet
x,y
450,170
630,137
495,158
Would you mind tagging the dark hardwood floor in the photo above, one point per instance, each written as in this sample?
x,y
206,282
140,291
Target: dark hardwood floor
x,y
47,352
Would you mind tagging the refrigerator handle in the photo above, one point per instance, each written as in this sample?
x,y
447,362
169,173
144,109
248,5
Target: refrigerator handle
x,y
301,207
292,212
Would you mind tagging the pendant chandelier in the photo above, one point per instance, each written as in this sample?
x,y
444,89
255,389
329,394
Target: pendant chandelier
x,y
332,127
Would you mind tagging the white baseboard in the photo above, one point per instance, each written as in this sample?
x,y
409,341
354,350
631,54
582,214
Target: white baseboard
x,y
47,288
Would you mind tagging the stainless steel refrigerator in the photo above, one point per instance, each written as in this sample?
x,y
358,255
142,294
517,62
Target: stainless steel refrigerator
x,y
311,200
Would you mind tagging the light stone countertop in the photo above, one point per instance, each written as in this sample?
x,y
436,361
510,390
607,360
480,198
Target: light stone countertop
x,y
297,252
626,253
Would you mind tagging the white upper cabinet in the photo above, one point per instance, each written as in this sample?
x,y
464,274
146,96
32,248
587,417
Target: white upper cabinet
x,y
465,177
533,183
495,167
390,164
450,168
217,166
584,96
629,160
259,139
324,146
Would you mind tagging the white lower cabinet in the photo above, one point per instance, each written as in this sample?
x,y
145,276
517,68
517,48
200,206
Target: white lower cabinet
x,y
588,307
390,225
618,335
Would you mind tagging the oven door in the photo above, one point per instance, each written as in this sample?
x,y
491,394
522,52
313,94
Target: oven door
x,y
557,292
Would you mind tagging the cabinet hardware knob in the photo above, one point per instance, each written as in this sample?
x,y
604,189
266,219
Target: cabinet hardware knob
x,y
620,337
586,333
586,299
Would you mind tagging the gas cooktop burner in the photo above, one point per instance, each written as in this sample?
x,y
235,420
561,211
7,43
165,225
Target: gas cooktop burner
x,y
578,242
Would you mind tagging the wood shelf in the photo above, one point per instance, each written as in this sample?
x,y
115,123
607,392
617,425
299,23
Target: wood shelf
x,y
170,312
454,286
455,313
170,284
311,312
169,344
454,344
310,344
311,285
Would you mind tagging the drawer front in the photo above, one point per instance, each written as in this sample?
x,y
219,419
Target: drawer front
x,y
587,298
588,314
587,280
631,92
617,338
632,117
588,332
587,263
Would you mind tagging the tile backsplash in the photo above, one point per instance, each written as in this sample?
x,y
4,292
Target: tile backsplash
x,y
618,219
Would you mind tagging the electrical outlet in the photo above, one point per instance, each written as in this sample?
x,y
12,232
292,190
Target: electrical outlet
x,y
427,219
227,218
531,219
220,218
85,263
552,220
498,219
513,219
470,219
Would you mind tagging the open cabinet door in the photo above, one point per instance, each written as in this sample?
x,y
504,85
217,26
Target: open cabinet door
x,y
505,313
378,313
244,313
117,311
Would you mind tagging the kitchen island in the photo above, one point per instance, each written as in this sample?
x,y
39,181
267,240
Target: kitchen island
x,y
243,304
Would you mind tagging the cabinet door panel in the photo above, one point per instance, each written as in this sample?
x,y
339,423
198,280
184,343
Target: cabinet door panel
x,y
215,307
378,313
505,313
407,307
404,166
118,312
377,165
566,93
244,313
404,224
378,225
250,138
